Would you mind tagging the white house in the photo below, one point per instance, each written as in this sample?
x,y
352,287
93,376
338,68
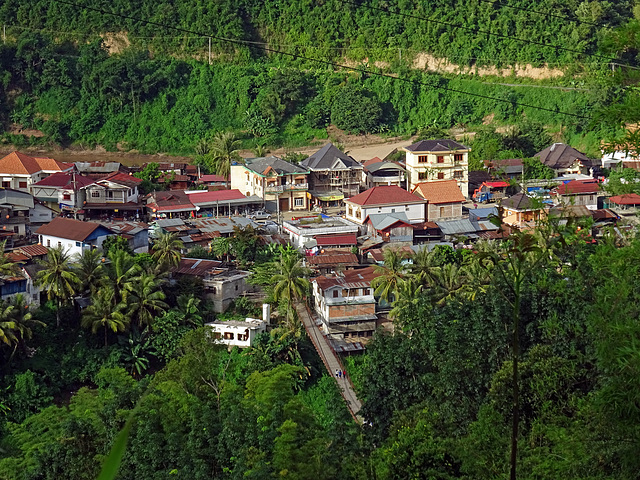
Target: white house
x,y
314,231
385,199
73,235
20,171
444,159
235,333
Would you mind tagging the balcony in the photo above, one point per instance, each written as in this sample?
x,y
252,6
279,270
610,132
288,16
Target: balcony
x,y
285,188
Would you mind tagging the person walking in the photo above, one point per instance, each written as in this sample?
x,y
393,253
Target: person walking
x,y
337,375
344,374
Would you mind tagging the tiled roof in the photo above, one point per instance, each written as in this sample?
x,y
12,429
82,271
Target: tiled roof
x,y
626,199
212,178
560,155
443,191
576,187
17,163
64,180
443,145
372,161
123,179
385,195
330,158
68,228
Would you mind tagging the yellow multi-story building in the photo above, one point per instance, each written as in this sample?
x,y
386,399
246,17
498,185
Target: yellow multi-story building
x,y
433,160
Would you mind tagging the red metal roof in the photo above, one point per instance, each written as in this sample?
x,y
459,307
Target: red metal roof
x,y
33,250
65,180
332,259
328,240
123,179
198,267
385,195
626,199
212,178
497,184
218,195
578,186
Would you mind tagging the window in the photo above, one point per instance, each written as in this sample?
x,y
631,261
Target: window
x,y
48,242
458,174
59,244
458,157
350,211
298,202
335,294
215,290
228,335
440,158
442,211
393,210
6,184
66,196
422,175
77,244
358,214
423,159
441,176
109,194
95,194
236,288
367,291
23,184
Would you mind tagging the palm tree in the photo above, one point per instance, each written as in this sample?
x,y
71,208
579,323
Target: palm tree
x,y
121,273
389,275
291,284
104,312
7,325
423,263
188,307
89,269
57,278
144,299
221,247
224,150
449,281
407,296
7,267
22,317
166,250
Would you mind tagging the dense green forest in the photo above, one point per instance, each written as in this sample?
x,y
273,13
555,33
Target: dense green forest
x,y
87,78
437,393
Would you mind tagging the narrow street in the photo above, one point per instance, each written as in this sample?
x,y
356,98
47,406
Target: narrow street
x,y
331,362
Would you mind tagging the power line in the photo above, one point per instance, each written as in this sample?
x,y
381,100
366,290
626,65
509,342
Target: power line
x,y
474,30
544,14
322,62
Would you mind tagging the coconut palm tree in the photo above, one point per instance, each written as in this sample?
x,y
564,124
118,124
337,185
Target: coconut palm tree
x,y
166,250
389,275
144,299
22,317
290,285
7,267
58,278
423,263
90,269
105,313
407,295
221,248
449,281
224,150
188,307
121,273
8,332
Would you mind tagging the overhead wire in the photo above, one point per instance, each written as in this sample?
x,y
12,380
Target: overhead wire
x,y
244,43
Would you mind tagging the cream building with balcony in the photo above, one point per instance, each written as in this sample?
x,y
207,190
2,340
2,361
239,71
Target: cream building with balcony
x,y
282,185
432,160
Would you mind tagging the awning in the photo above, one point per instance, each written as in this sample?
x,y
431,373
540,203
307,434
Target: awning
x,y
497,184
333,240
328,196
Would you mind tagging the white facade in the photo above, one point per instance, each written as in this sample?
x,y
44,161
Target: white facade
x,y
72,247
425,166
301,232
359,213
236,333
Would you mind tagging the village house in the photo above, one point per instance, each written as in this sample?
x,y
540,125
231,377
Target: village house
x,y
507,168
135,233
316,233
74,236
385,200
62,191
101,170
169,204
281,185
378,172
19,171
391,227
333,175
214,182
578,192
15,206
116,194
431,160
626,204
444,197
346,304
237,333
565,160
330,262
521,211
223,202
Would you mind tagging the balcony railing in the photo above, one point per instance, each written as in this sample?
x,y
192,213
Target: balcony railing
x,y
285,188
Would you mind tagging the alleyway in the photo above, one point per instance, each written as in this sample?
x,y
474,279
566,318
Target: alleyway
x,y
331,362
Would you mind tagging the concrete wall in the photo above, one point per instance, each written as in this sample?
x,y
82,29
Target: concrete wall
x,y
444,210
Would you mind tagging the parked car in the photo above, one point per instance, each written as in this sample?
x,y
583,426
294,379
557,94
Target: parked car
x,y
268,226
260,215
